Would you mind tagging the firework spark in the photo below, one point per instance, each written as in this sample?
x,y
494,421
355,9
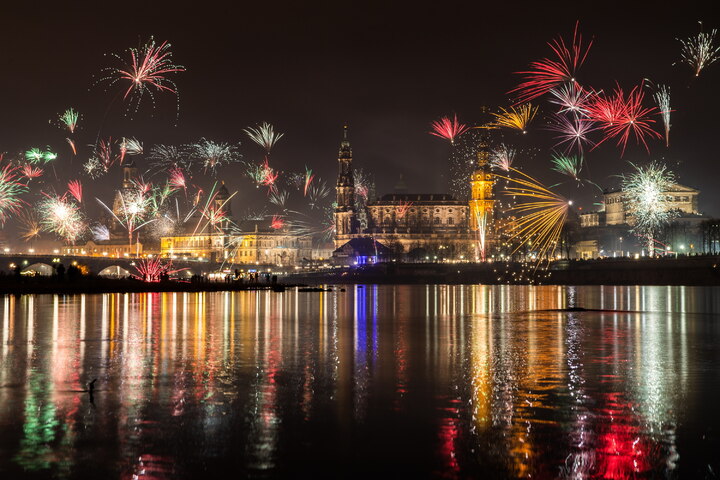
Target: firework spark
x,y
148,69
700,51
662,98
279,197
10,191
516,118
34,155
165,157
448,129
264,135
177,178
93,168
318,191
154,269
100,232
309,176
646,193
69,119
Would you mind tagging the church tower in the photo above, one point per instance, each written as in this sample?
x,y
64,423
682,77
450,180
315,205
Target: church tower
x,y
482,200
345,222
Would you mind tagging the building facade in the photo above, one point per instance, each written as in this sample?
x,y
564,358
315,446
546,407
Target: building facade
x,y
436,224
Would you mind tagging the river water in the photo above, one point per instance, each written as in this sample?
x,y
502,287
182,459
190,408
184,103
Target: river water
x,y
371,382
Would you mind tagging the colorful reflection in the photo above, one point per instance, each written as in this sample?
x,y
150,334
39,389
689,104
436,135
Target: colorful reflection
x,y
447,381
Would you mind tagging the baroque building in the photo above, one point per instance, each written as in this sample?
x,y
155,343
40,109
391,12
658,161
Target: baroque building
x,y
419,223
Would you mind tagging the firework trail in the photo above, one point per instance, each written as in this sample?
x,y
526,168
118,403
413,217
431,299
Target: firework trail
x,y
516,118
61,216
662,98
502,157
541,218
103,153
264,135
213,155
69,119
10,191
30,172
448,129
133,209
546,74
75,189
147,70
72,145
572,130
700,51
133,146
309,176
646,193
633,119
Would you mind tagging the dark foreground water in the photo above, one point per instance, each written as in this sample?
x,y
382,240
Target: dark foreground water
x,y
404,381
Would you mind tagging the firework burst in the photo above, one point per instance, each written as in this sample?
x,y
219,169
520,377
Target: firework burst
x,y
264,135
572,98
30,227
540,218
10,191
213,155
515,118
646,193
569,165
502,157
69,119
147,71
447,128
61,216
547,73
30,172
700,51
572,131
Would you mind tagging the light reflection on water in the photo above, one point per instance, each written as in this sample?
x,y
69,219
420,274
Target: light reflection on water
x,y
430,381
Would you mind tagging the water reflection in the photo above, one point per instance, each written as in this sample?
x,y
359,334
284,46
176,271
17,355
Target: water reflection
x,y
445,381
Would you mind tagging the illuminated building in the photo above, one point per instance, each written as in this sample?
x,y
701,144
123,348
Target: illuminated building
x,y
421,224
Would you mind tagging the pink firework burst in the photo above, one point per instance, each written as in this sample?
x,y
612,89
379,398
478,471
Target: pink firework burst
x,y
75,189
153,269
548,73
448,129
634,119
177,178
572,131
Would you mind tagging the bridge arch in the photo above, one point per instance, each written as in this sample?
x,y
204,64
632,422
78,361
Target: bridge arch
x,y
39,268
114,271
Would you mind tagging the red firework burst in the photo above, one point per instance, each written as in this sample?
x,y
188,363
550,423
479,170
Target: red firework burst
x,y
448,129
548,73
75,189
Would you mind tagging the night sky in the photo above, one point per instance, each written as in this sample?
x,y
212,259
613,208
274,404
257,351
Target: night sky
x,y
387,68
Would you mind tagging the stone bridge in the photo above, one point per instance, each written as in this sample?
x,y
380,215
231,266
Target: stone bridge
x,y
44,264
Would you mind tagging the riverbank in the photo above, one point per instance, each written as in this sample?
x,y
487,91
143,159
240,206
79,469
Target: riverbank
x,y
90,284
696,270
